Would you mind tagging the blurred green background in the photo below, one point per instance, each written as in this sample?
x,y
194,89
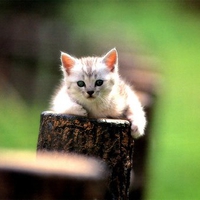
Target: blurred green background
x,y
34,32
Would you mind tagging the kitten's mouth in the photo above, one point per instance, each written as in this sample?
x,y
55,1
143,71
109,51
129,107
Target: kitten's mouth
x,y
90,97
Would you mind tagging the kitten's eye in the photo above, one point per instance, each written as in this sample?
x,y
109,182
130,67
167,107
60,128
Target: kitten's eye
x,y
99,82
81,83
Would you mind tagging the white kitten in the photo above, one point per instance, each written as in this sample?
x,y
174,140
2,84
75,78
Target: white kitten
x,y
92,87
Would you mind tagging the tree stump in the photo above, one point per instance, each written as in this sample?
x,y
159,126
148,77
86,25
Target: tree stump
x,y
107,139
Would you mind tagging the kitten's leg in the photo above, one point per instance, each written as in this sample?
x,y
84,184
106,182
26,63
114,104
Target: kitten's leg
x,y
138,122
136,116
76,109
63,104
71,109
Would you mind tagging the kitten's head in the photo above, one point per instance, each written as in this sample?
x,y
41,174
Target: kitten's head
x,y
90,78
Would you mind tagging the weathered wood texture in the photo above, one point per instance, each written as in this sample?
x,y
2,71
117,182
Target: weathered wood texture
x,y
107,139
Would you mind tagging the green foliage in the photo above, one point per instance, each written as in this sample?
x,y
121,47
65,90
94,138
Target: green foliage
x,y
172,32
19,124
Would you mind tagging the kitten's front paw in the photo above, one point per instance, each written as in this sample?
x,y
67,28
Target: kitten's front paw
x,y
137,127
135,133
78,110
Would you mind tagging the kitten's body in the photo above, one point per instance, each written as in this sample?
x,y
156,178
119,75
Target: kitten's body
x,y
92,87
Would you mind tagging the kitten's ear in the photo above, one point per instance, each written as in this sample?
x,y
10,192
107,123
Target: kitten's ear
x,y
67,61
110,59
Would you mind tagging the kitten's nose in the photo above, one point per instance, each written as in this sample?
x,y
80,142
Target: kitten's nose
x,y
90,93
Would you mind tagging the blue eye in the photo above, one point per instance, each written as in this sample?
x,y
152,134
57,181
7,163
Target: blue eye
x,y
99,82
81,83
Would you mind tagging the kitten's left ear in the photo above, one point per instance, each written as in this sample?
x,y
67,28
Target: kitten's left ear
x,y
110,59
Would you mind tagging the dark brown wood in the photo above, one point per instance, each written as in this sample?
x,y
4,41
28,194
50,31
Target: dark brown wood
x,y
51,176
106,139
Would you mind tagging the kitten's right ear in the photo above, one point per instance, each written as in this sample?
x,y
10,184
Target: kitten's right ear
x,y
67,61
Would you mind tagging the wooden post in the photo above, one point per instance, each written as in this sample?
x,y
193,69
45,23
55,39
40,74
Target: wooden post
x,y
107,139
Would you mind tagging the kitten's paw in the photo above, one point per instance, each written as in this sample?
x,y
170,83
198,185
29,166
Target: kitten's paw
x,y
135,133
78,110
138,127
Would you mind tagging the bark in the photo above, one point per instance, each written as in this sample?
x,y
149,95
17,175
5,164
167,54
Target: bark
x,y
106,139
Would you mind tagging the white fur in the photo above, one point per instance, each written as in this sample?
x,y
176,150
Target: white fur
x,y
113,99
